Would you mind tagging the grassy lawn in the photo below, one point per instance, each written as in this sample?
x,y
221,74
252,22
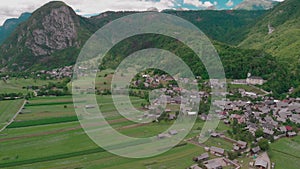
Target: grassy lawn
x,y
50,99
286,153
149,130
245,87
8,109
103,79
219,142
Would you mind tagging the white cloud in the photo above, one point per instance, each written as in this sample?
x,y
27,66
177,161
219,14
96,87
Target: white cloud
x,y
198,3
13,8
229,3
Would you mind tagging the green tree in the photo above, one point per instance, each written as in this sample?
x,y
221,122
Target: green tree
x,y
264,144
259,133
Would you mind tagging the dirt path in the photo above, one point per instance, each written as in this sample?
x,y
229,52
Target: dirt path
x,y
13,118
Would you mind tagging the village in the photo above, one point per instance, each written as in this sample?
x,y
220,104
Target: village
x,y
256,120
253,120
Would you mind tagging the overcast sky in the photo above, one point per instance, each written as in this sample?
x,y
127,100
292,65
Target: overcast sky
x,y
13,8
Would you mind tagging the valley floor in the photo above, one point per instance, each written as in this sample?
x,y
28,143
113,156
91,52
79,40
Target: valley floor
x,y
46,135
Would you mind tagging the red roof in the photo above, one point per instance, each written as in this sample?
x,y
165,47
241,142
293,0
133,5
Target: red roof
x,y
289,128
286,101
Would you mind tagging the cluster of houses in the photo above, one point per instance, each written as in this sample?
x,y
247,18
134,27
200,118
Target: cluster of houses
x,y
270,115
58,73
214,163
187,103
219,159
155,81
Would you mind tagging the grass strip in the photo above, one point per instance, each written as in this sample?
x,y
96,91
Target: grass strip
x,y
51,158
54,120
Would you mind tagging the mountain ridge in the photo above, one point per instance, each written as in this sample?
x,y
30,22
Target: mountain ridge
x,y
54,34
256,4
278,32
11,24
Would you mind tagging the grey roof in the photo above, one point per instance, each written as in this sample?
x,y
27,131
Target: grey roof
x,y
282,128
261,163
268,126
267,131
292,133
203,157
213,164
217,150
242,143
255,149
282,104
173,132
195,166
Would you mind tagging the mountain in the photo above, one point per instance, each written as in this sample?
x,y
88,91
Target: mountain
x,y
256,4
10,25
237,62
51,37
278,33
227,26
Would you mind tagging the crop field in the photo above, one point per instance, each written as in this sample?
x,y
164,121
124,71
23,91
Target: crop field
x,y
43,137
8,109
19,85
47,134
286,153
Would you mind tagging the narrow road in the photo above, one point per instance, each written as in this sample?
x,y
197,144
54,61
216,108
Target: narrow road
x,y
12,119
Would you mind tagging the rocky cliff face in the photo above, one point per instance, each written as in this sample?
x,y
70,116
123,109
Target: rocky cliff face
x,y
58,31
51,30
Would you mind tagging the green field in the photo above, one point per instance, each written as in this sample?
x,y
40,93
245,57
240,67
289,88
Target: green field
x,y
103,79
286,153
30,143
48,135
15,85
8,109
247,88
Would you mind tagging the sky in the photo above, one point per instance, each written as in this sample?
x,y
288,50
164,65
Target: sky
x,y
14,8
